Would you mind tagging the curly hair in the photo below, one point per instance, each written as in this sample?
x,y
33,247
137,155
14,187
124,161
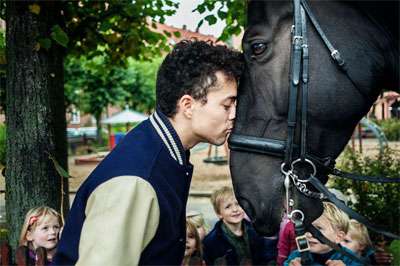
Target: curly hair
x,y
190,69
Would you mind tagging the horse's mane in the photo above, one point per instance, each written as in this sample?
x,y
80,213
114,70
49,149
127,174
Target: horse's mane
x,y
385,14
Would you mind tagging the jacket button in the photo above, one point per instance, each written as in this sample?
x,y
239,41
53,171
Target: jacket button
x,y
187,173
180,239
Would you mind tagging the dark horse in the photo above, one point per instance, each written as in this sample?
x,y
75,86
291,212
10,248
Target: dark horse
x,y
366,34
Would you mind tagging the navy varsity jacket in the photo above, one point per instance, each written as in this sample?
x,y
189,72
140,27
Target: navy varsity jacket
x,y
131,209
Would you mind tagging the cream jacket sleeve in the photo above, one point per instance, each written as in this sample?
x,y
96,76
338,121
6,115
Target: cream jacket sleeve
x,y
122,216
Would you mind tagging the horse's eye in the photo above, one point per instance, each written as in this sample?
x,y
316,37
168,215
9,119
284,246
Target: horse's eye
x,y
258,48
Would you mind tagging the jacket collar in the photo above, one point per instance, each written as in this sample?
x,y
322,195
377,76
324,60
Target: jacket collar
x,y
169,137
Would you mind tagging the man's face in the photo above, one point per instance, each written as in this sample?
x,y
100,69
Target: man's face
x,y
325,227
213,121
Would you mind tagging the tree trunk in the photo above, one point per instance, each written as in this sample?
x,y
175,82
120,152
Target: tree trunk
x,y
100,140
36,123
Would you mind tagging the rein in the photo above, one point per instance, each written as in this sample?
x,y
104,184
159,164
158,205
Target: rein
x,y
292,153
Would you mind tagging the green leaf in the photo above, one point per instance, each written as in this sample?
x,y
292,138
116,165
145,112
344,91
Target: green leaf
x,y
222,14
211,19
45,43
394,249
34,9
59,35
201,9
59,169
177,34
167,33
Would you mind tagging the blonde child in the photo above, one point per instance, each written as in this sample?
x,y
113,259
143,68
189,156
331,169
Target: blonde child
x,y
41,228
201,225
357,240
333,224
193,249
233,239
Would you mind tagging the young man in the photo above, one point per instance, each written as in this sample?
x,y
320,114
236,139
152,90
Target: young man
x,y
233,241
333,224
131,209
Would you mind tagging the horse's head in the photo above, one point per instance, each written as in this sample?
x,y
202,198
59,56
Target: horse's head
x,y
335,105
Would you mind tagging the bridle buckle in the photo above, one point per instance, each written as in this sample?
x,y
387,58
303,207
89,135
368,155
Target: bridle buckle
x,y
302,243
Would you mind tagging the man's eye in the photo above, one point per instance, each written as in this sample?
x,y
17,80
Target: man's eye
x,y
227,107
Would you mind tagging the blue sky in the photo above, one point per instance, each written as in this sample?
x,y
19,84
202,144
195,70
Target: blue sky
x,y
184,16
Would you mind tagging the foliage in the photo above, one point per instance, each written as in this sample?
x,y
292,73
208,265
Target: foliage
x,y
394,249
378,202
90,86
2,145
121,28
140,83
233,12
390,127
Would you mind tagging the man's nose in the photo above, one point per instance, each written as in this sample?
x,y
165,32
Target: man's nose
x,y
232,113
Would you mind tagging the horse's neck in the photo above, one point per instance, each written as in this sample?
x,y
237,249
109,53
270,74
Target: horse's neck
x,y
384,16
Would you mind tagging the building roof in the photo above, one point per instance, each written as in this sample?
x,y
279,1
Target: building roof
x,y
185,34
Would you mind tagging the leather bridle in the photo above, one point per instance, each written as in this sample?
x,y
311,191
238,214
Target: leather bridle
x,y
294,154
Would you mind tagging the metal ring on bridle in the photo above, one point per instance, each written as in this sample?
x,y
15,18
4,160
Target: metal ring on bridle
x,y
296,211
307,161
283,170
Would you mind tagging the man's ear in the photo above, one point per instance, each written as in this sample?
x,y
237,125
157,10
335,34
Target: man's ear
x,y
340,237
186,105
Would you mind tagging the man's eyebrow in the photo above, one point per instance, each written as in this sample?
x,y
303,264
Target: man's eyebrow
x,y
232,98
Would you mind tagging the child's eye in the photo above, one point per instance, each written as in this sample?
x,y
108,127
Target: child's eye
x,y
56,227
44,228
346,241
198,226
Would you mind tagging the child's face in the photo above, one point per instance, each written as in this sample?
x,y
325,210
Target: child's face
x,y
328,231
230,211
45,234
190,243
352,244
200,230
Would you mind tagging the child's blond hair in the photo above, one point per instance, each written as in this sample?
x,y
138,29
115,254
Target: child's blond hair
x,y
35,217
338,219
199,219
191,228
358,232
219,195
